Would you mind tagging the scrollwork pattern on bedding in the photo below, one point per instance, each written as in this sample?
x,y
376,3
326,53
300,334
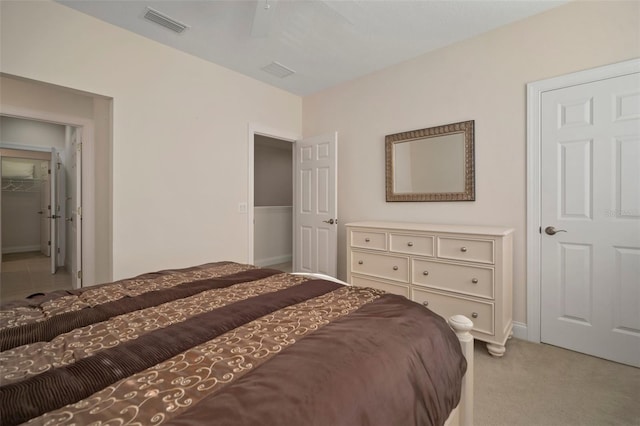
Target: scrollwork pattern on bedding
x,y
145,398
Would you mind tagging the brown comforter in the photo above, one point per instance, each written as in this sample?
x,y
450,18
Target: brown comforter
x,y
226,344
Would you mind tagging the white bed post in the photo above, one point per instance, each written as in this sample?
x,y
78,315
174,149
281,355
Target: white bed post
x,y
462,327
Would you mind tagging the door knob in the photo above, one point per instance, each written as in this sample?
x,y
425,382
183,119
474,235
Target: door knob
x,y
550,230
330,221
69,219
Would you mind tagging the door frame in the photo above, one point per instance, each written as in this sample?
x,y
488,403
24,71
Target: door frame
x,y
253,130
88,180
534,144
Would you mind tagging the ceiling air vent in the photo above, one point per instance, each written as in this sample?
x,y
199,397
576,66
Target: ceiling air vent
x,y
165,21
278,70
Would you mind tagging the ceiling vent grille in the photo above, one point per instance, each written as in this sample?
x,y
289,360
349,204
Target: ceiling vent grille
x,y
279,70
165,21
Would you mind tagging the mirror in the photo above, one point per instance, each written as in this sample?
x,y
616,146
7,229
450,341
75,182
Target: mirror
x,y
432,164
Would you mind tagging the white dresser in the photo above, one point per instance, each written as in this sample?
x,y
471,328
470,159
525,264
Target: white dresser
x,y
452,269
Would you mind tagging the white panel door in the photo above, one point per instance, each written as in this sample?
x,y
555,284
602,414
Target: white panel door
x,y
61,194
53,211
45,209
590,184
74,209
316,215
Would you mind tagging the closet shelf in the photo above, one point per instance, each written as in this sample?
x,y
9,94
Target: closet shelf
x,y
21,185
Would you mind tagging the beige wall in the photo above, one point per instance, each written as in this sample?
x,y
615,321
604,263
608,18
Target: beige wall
x,y
103,166
482,79
273,172
180,128
24,94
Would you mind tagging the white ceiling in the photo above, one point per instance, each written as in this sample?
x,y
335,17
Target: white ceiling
x,y
324,42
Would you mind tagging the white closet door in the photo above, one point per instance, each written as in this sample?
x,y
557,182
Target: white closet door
x,y
590,252
75,213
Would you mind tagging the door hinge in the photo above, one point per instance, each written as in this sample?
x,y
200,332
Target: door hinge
x,y
48,243
79,146
49,171
540,230
58,165
80,274
79,212
58,250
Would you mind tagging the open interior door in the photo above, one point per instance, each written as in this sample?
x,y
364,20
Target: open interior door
x,y
61,194
316,205
53,211
74,209
45,208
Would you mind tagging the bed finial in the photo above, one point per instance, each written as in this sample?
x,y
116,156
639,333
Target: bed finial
x,y
462,326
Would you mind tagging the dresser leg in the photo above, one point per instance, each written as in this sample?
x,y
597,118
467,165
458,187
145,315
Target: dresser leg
x,y
496,350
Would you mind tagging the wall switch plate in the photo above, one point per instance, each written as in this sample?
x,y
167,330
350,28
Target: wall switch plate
x,y
242,207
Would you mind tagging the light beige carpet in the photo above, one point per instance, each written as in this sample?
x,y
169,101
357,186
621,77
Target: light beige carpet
x,y
538,384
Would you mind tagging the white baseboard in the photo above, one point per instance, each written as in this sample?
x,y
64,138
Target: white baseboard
x,y
520,330
273,260
20,249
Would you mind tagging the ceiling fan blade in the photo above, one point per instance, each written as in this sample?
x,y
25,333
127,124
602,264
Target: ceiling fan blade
x,y
265,9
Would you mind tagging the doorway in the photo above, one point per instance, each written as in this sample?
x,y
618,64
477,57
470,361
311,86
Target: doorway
x,y
92,114
273,203
584,212
38,186
315,200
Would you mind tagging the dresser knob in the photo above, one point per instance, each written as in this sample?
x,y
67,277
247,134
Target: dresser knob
x,y
425,303
463,249
410,244
360,262
395,268
475,281
425,273
474,315
366,240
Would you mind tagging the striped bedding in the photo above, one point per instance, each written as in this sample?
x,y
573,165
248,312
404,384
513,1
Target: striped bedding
x,y
226,344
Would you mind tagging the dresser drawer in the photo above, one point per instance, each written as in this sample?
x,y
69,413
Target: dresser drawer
x,y
369,240
481,313
472,280
380,265
402,290
421,245
468,249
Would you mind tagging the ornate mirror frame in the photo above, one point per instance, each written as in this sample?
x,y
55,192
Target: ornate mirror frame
x,y
467,193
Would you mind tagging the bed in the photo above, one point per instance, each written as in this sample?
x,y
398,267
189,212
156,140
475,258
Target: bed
x,y
232,344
